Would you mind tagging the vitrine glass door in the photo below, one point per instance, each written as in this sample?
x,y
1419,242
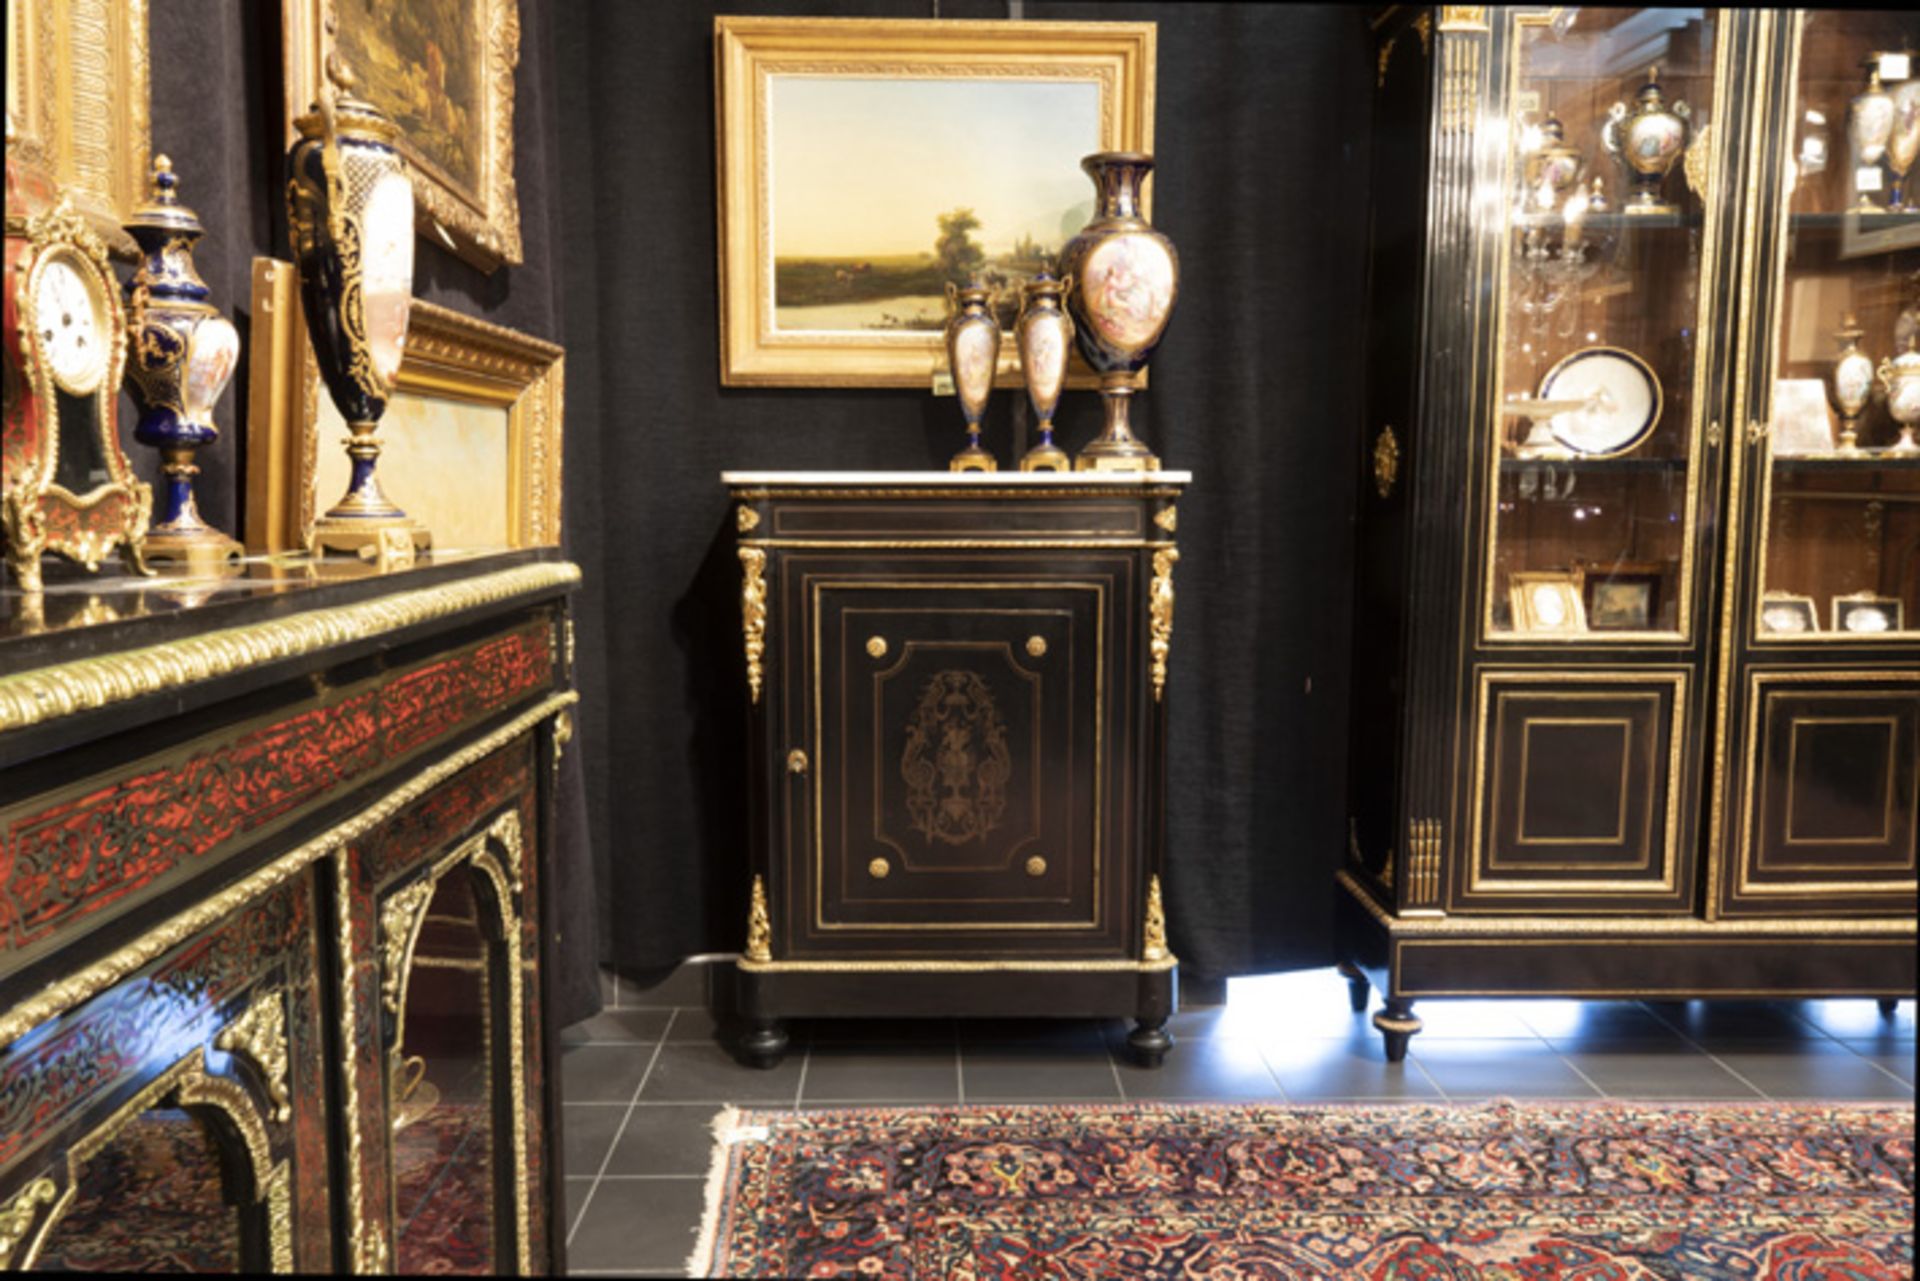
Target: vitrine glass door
x,y
1840,557
1613,242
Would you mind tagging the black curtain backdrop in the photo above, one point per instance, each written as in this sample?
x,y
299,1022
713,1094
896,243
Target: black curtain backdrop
x,y
1261,134
1262,120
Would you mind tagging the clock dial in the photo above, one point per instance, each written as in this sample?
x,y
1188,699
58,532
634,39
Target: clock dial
x,y
69,326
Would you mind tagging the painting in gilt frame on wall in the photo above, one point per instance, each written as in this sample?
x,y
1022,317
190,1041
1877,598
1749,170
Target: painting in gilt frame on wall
x,y
472,435
78,104
443,71
865,164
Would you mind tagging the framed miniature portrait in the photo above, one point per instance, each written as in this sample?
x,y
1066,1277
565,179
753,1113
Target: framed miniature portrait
x,y
1865,614
1547,603
866,163
1786,614
1624,598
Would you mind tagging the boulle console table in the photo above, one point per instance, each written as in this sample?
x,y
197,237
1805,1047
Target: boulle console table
x,y
273,851
957,690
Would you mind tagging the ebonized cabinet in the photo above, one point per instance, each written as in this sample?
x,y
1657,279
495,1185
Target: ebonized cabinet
x,y
1610,736
272,852
957,694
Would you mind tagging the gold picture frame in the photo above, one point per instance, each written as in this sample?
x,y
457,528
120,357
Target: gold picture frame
x,y
79,105
1866,614
465,196
750,54
1547,602
512,386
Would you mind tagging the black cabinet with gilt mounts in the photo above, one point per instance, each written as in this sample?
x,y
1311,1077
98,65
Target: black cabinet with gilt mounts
x,y
274,864
1637,696
957,694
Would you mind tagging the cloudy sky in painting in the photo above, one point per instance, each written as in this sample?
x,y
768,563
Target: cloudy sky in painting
x,y
862,167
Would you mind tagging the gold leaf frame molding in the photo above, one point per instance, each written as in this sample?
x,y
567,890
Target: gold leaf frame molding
x,y
79,105
482,226
1118,56
448,356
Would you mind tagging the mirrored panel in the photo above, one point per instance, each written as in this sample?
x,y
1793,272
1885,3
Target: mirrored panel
x,y
1841,551
441,1100
153,1199
1609,243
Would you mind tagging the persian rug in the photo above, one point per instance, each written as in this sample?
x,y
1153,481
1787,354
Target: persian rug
x,y
1500,1191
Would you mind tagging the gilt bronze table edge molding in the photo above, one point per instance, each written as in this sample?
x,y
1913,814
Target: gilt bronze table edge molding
x,y
87,684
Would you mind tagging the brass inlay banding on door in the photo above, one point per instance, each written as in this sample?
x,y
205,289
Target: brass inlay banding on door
x,y
1526,758
1886,814
1676,682
815,590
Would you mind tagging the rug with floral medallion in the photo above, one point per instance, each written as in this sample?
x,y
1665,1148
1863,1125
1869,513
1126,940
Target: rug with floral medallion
x,y
1499,1191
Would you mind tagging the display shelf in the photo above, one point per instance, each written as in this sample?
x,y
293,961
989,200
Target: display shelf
x,y
1864,462
1592,466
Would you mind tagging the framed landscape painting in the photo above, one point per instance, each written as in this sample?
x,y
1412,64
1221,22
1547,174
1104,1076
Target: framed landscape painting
x,y
443,71
865,164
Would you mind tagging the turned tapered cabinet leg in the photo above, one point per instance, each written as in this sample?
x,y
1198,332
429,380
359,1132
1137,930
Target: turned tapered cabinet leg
x,y
1887,1006
1150,1041
765,1043
1397,1024
1359,991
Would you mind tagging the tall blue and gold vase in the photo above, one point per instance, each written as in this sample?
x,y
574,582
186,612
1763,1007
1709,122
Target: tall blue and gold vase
x,y
350,210
181,353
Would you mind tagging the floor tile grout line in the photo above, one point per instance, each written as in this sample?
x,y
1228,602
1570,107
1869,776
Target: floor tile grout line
x,y
1432,1080
1113,1066
959,1064
1721,1063
1594,1085
800,1087
625,1119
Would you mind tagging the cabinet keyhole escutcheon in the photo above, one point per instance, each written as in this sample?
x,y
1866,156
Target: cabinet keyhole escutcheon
x,y
796,761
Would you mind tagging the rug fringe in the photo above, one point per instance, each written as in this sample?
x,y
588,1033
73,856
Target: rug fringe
x,y
726,1129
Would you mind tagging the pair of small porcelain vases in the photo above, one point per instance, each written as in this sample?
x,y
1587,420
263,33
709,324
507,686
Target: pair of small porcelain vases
x,y
1115,290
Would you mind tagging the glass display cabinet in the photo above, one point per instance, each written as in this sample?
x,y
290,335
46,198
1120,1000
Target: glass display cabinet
x,y
1637,696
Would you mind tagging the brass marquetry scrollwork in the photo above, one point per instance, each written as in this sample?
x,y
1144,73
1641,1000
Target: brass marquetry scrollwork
x,y
753,614
17,1216
1160,616
1153,939
400,918
260,1036
956,762
759,925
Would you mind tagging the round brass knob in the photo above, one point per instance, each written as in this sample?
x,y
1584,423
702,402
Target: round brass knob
x,y
879,868
796,762
1036,866
1037,646
877,646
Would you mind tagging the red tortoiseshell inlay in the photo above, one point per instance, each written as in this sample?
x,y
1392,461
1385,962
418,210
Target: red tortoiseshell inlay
x,y
63,863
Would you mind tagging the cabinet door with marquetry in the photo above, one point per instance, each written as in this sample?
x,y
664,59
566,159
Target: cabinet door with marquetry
x,y
962,791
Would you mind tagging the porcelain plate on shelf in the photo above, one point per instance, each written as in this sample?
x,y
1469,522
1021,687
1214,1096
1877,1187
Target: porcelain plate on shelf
x,y
1622,395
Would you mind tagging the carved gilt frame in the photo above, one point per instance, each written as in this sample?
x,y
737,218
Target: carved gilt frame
x,y
482,226
78,103
1118,56
448,356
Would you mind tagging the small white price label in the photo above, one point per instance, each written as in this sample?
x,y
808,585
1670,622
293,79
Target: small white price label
x,y
1866,178
1896,66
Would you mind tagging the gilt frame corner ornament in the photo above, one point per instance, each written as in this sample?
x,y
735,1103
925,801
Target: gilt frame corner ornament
x,y
259,1035
79,105
479,220
752,53
450,357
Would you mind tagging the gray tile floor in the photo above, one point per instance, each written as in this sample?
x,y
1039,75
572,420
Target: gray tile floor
x,y
642,1080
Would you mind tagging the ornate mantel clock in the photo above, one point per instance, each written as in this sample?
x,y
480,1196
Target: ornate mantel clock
x,y
350,207
68,487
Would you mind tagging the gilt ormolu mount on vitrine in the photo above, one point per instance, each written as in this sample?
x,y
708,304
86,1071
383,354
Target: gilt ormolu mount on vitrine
x,y
274,852
958,696
1637,681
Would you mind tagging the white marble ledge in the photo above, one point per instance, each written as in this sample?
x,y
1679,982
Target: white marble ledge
x,y
956,480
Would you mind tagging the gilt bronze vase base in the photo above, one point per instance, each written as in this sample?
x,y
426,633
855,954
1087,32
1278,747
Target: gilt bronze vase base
x,y
196,552
973,458
1047,457
389,542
